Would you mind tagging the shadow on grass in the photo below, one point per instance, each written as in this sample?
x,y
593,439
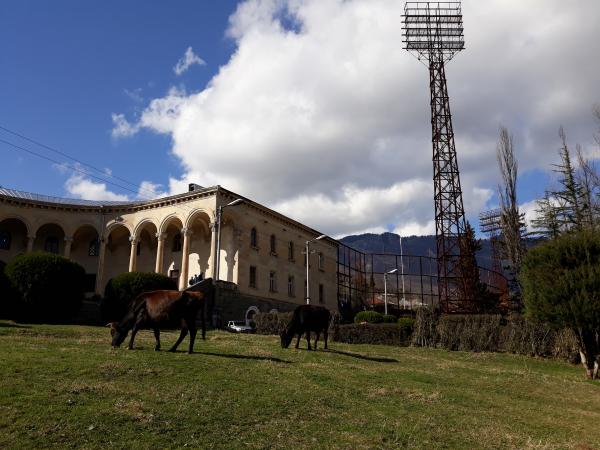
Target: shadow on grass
x,y
367,358
234,356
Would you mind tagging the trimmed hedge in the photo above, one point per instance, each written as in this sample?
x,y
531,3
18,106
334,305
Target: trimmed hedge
x,y
125,287
48,287
7,292
406,326
271,323
368,333
492,333
476,333
369,317
389,318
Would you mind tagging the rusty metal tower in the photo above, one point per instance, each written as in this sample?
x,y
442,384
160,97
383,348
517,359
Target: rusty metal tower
x,y
433,31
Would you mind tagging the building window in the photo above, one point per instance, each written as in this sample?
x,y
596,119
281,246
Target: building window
x,y
176,243
272,281
321,261
51,245
321,294
253,238
94,248
273,245
291,251
291,286
4,240
252,282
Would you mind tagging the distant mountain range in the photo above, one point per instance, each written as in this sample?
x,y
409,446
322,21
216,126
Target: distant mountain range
x,y
412,245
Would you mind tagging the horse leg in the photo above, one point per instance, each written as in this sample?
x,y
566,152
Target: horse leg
x,y
325,337
203,322
182,335
134,331
308,339
193,331
316,340
298,340
157,337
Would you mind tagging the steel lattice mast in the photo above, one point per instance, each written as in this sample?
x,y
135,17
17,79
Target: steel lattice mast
x,y
434,31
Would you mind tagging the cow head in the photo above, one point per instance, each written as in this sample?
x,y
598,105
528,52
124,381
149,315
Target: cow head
x,y
286,338
118,335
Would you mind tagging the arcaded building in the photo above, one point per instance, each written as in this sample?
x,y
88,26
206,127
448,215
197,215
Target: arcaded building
x,y
261,251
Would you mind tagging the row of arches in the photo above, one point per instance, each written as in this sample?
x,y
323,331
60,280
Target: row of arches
x,y
172,246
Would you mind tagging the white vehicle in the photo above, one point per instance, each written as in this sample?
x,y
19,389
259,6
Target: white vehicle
x,y
239,326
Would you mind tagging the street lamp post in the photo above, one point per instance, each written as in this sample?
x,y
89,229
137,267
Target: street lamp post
x,y
385,286
308,264
219,218
402,272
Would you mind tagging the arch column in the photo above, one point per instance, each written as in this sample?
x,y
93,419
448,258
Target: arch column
x,y
68,244
133,254
160,252
100,270
30,241
185,258
213,250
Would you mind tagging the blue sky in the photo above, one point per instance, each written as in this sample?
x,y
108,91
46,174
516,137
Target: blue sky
x,y
68,65
308,106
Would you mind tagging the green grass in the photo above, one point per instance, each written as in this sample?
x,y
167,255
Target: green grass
x,y
63,386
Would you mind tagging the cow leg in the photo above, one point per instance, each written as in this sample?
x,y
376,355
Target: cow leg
x,y
298,340
325,337
308,339
157,337
193,332
316,340
182,335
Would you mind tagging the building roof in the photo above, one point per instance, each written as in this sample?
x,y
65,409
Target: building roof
x,y
60,200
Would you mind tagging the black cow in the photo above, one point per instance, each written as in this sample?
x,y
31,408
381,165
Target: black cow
x,y
158,309
307,318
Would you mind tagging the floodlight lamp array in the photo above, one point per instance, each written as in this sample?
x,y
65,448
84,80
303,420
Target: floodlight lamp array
x,y
434,30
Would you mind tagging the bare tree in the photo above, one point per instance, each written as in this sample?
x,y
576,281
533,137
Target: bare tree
x,y
597,115
588,179
510,219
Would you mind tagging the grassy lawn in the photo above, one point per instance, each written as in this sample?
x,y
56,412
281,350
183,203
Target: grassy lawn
x,y
63,386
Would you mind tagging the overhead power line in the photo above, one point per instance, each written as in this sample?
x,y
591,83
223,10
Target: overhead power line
x,y
150,194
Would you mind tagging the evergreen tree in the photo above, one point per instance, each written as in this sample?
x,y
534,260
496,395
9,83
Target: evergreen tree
x,y
569,207
561,281
473,291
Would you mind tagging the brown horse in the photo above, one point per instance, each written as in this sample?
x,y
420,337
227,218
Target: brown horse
x,y
158,309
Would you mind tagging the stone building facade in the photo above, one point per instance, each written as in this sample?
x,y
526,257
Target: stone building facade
x,y
261,251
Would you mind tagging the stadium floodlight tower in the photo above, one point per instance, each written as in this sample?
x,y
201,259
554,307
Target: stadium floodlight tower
x,y
434,32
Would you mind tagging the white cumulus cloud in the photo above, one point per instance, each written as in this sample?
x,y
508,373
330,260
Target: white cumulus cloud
x,y
320,114
187,60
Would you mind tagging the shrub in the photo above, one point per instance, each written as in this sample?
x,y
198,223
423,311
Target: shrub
x,y
367,333
125,287
8,294
48,287
424,331
406,326
561,281
476,333
389,318
369,317
524,337
271,323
